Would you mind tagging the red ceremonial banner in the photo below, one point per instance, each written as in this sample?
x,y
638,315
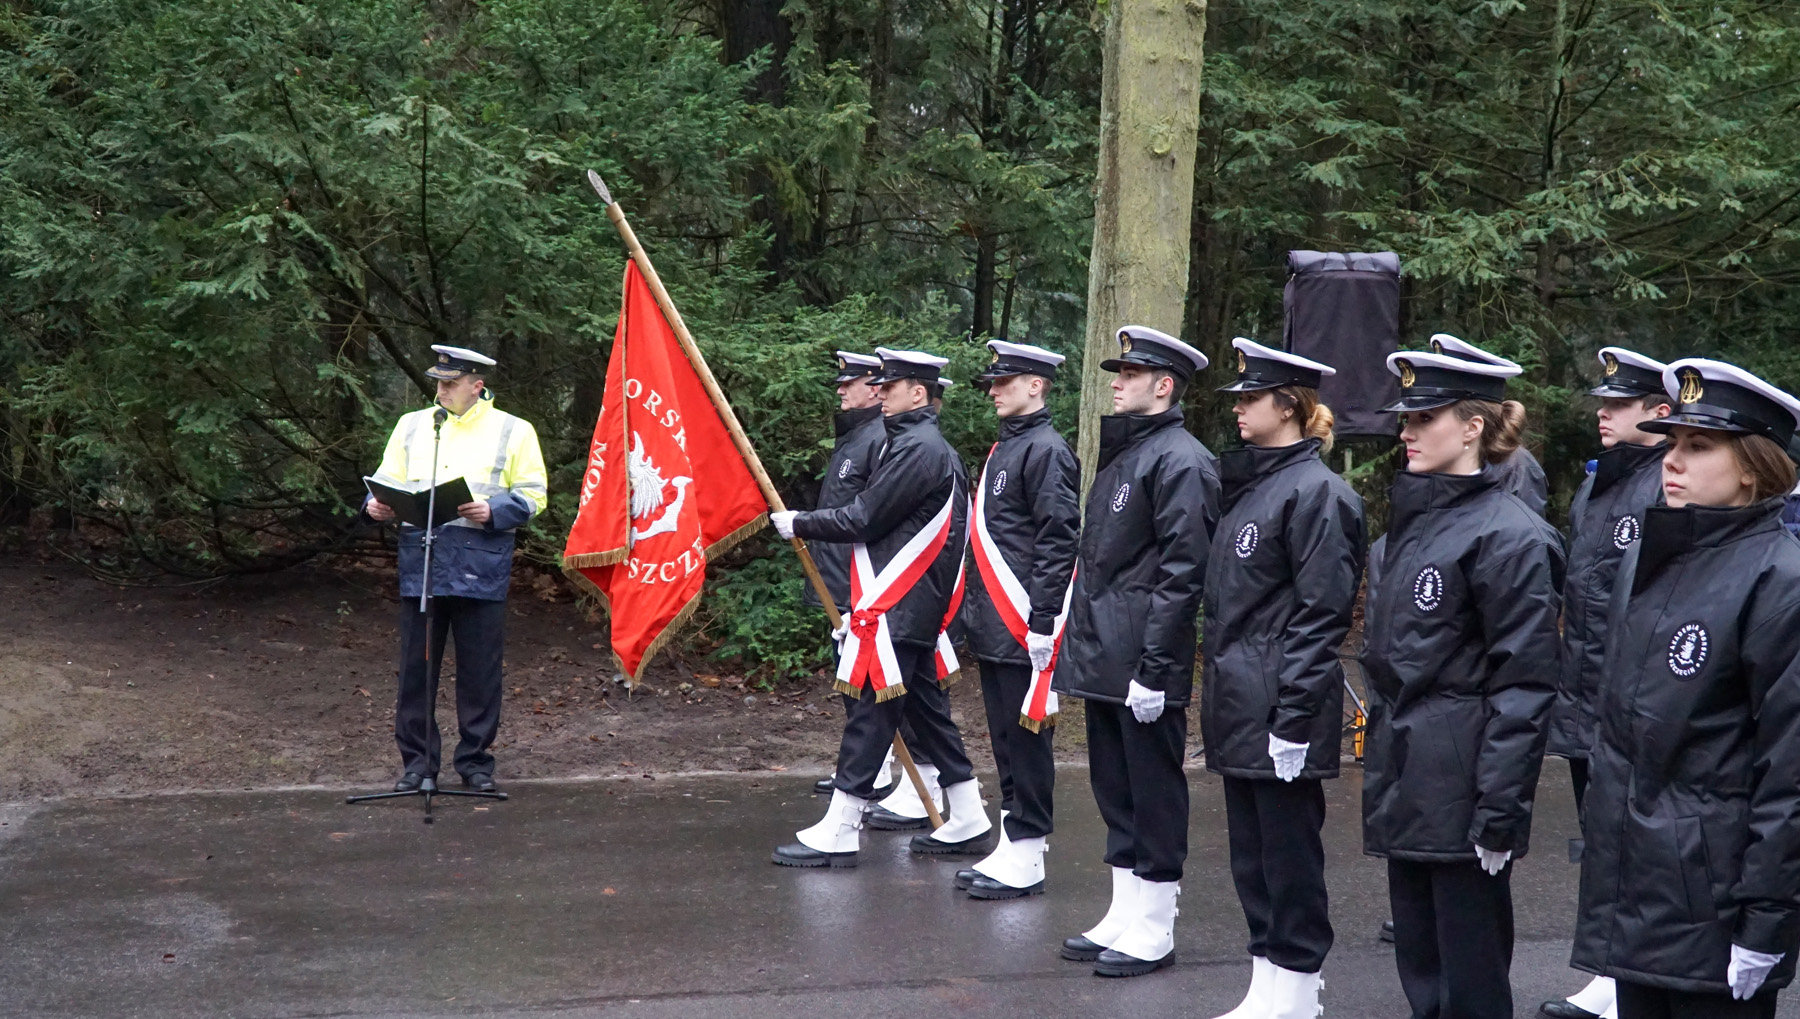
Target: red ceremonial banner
x,y
665,490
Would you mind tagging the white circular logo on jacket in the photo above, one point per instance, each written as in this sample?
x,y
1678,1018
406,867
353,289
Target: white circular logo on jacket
x,y
1121,497
1247,536
1625,531
1687,650
999,483
1428,589
844,468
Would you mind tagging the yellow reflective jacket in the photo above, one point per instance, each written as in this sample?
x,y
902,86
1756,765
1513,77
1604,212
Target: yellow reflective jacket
x,y
497,454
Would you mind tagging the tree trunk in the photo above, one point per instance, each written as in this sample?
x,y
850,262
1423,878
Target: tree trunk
x,y
1149,125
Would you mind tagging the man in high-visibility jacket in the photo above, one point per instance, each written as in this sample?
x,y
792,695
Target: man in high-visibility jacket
x,y
497,455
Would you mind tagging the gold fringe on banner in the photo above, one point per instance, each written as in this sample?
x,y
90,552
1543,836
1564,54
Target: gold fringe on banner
x,y
1036,726
731,541
592,560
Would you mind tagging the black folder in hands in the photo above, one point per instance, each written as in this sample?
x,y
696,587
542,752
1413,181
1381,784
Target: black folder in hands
x,y
409,501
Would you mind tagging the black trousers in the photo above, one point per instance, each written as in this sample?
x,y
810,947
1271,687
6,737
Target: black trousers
x,y
1026,759
1639,1001
906,732
1453,938
1578,777
870,728
1135,769
1278,865
480,628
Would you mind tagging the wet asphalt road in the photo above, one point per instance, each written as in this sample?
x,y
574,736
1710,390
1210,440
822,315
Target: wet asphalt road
x,y
641,898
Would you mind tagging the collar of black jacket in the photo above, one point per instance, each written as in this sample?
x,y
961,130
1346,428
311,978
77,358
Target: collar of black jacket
x,y
1669,531
1414,495
1622,461
1021,423
850,420
1239,467
1119,432
907,419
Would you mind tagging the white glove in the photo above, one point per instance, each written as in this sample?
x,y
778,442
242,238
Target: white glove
x,y
1748,970
1491,861
1040,647
784,523
1146,704
843,630
1289,758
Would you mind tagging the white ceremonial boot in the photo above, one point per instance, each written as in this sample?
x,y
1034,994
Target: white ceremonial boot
x,y
966,830
1018,873
834,841
903,810
1294,995
885,777
966,877
1599,995
1257,1000
1087,946
1148,943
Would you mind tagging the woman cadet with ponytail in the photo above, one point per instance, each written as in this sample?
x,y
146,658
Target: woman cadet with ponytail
x,y
1461,661
1281,583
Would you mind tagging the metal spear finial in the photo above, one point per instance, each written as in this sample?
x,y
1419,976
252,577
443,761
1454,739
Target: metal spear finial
x,y
599,187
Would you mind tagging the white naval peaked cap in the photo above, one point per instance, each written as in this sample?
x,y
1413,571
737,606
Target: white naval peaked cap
x,y
455,362
907,364
1444,343
911,357
1627,373
1261,367
1723,397
850,357
1429,380
1153,348
1026,351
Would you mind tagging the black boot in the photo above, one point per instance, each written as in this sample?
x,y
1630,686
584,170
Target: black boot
x,y
799,855
1080,949
409,782
1118,964
984,887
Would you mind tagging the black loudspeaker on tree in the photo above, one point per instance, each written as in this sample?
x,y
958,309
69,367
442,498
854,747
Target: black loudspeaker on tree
x,y
1344,309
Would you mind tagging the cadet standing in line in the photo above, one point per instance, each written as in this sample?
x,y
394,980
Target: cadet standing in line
x,y
1690,878
1281,582
1520,473
1460,655
906,530
858,436
1605,519
1023,533
497,454
1129,646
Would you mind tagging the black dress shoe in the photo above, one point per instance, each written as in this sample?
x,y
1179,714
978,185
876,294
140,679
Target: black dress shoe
x,y
409,782
1080,949
798,854
823,786
1118,964
983,844
984,887
887,820
480,782
1387,932
882,792
965,878
1565,1010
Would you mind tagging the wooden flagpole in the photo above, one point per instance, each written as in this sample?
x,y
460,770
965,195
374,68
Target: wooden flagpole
x,y
742,440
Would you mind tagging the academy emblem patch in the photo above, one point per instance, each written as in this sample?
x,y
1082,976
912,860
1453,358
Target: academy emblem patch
x,y
1688,649
1428,589
1625,531
844,468
1121,497
999,483
1247,537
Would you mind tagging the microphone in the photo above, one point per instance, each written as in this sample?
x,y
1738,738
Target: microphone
x,y
439,416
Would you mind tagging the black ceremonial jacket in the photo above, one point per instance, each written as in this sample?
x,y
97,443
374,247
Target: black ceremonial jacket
x,y
1460,657
1692,816
1522,475
1281,582
912,480
860,435
1033,514
1604,521
1150,518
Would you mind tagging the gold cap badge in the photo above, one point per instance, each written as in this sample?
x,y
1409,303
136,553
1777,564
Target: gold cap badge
x,y
1124,344
1242,364
1612,365
1691,390
1407,378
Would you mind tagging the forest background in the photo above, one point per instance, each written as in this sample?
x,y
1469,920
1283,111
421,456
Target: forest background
x,y
229,231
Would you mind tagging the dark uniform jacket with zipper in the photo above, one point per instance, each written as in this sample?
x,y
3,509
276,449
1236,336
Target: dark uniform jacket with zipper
x,y
1281,582
1604,520
1692,816
1150,518
860,435
914,476
1460,658
1033,511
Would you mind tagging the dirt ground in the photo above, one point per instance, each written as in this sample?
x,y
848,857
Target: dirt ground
x,y
288,679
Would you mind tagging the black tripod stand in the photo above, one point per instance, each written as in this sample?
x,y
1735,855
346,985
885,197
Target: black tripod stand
x,y
428,786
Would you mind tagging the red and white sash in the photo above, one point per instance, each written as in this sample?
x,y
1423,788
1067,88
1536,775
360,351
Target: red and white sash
x,y
947,662
1013,605
868,649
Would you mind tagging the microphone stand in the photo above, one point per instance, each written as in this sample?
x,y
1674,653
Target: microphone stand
x,y
428,786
